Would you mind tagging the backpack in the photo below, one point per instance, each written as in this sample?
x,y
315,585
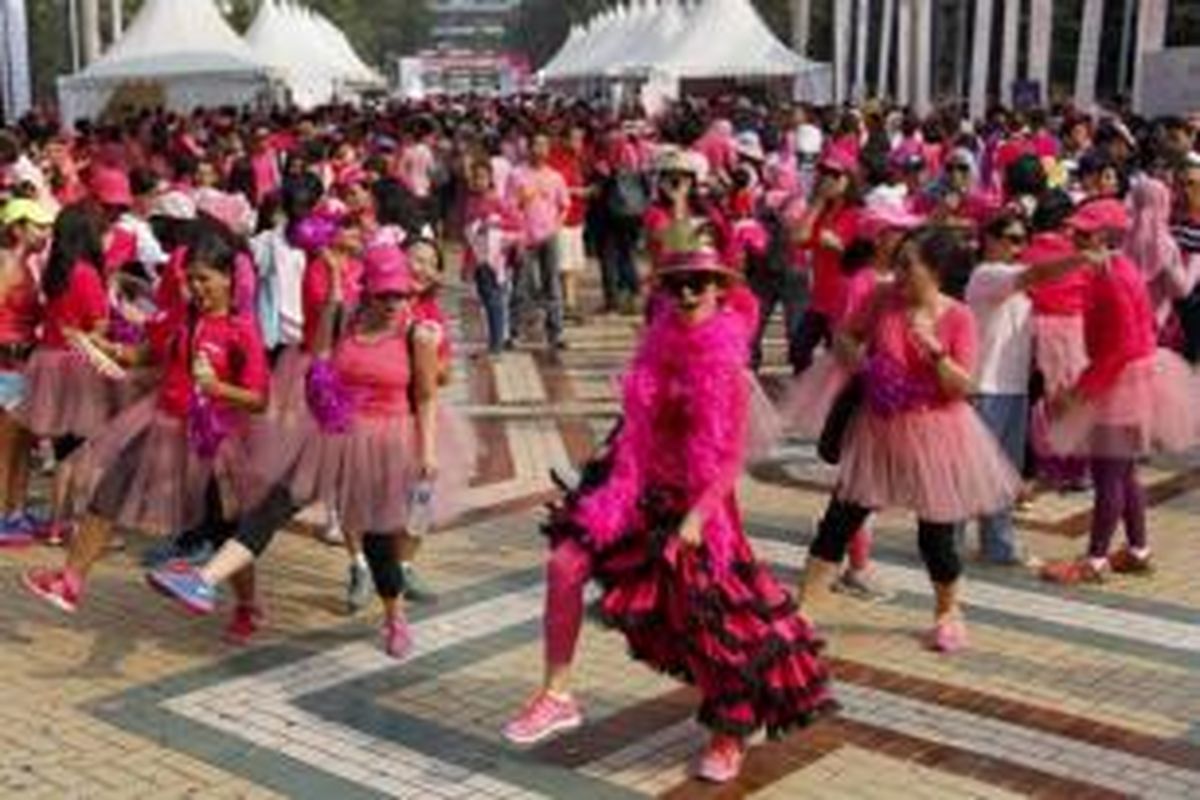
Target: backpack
x,y
627,196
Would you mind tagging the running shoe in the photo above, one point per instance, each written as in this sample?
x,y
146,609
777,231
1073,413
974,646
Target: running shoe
x,y
244,623
15,534
181,582
416,590
397,638
57,533
721,761
1069,573
862,586
176,549
358,588
948,636
544,716
1125,562
56,586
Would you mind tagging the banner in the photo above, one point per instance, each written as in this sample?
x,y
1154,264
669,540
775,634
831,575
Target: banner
x,y
14,71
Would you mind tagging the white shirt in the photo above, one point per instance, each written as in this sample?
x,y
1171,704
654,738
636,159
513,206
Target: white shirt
x,y
1004,315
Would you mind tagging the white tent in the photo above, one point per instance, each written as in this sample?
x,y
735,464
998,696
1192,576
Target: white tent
x,y
727,38
569,50
608,36
664,23
272,37
181,48
354,70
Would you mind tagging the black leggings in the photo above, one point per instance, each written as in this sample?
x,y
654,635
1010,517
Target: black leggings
x,y
936,540
256,530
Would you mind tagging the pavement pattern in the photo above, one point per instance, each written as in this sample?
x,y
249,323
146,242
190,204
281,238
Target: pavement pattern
x,y
1083,693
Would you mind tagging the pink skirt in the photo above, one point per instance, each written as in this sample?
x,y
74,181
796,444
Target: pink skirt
x,y
288,403
941,463
1151,408
142,382
64,395
1059,350
811,397
765,427
457,450
140,472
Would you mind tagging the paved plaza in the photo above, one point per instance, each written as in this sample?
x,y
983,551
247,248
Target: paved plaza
x,y
1065,693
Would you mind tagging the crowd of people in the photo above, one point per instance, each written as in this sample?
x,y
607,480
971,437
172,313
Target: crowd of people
x,y
210,322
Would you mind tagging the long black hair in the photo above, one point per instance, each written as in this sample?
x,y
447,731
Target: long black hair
x,y
76,239
946,253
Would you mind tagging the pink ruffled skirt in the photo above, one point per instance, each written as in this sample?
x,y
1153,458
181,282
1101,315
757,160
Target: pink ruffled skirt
x,y
140,472
941,463
1150,408
811,397
65,395
288,403
1059,350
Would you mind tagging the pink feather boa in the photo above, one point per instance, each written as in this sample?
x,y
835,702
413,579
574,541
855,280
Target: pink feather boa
x,y
685,402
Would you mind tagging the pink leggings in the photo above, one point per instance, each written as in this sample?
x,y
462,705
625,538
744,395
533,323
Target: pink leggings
x,y
567,572
859,551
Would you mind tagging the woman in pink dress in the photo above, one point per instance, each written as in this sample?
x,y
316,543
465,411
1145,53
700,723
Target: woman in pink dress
x,y
917,347
656,520
164,464
1133,399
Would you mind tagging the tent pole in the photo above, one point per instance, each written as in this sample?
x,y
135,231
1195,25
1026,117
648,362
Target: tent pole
x,y
73,32
89,18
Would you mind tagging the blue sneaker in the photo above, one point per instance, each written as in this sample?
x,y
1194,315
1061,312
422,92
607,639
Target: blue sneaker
x,y
181,582
28,520
13,533
169,550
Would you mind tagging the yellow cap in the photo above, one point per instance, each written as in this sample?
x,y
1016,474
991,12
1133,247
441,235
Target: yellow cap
x,y
23,210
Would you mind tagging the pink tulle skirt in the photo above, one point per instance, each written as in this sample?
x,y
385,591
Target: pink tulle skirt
x,y
765,427
140,472
288,403
457,449
1150,408
1059,350
140,383
811,396
65,395
941,463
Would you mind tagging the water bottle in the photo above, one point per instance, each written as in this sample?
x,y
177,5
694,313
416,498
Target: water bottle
x,y
420,508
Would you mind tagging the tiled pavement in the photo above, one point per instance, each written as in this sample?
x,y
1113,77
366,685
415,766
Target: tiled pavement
x,y
1084,693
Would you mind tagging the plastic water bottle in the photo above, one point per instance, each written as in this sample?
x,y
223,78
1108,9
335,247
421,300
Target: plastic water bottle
x,y
420,508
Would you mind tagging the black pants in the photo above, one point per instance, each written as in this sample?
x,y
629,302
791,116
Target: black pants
x,y
936,540
784,287
815,329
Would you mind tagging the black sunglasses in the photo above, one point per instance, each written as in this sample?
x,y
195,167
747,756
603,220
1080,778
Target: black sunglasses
x,y
958,168
693,282
1015,238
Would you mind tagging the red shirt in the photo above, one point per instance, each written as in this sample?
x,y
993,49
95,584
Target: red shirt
x,y
376,374
1118,324
1065,296
82,305
20,311
570,165
316,288
231,344
828,283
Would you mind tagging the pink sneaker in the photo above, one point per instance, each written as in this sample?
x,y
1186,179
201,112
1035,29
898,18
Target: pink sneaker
x,y
948,636
397,638
244,623
56,586
721,761
542,717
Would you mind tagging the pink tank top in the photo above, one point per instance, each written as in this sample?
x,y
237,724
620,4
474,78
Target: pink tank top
x,y
376,373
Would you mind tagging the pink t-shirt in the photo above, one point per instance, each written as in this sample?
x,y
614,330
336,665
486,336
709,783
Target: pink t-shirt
x,y
859,289
416,169
541,196
316,288
82,305
231,344
892,336
1118,324
827,280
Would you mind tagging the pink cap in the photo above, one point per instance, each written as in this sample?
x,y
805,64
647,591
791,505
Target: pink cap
x,y
1099,215
386,271
839,159
110,186
876,220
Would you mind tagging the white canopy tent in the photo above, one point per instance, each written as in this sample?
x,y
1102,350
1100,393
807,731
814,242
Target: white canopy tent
x,y
272,37
568,52
664,23
728,39
353,70
180,50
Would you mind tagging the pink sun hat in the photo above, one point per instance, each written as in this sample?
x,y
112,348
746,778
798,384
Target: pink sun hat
x,y
386,271
110,186
877,220
1100,215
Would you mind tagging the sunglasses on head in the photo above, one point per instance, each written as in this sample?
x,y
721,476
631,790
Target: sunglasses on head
x,y
693,282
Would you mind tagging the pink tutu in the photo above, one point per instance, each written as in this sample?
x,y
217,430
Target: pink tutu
x,y
1060,351
1150,408
457,453
141,382
140,472
288,403
812,395
941,463
765,427
65,395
